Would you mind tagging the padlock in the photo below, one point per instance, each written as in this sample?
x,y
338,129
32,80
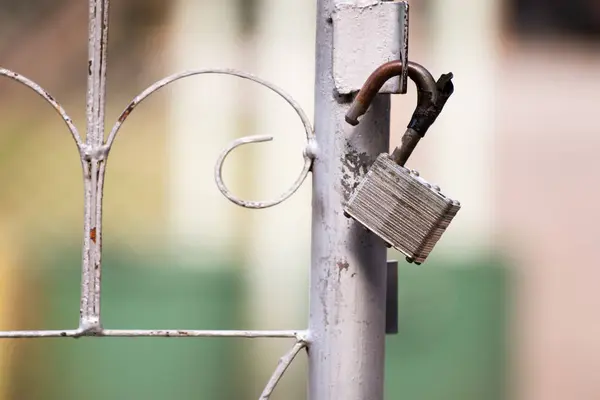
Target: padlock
x,y
407,212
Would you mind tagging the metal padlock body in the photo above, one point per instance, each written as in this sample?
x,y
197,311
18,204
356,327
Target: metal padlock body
x,y
402,208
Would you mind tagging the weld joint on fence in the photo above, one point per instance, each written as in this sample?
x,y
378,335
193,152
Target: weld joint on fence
x,y
98,153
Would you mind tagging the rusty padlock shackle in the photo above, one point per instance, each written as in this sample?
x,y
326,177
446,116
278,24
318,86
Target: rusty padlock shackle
x,y
426,87
431,98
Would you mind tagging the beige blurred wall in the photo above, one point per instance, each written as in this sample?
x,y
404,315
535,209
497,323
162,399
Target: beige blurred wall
x,y
547,191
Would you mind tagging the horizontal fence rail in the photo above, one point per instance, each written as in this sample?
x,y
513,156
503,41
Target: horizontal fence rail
x,y
77,333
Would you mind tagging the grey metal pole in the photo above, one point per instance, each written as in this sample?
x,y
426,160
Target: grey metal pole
x,y
348,266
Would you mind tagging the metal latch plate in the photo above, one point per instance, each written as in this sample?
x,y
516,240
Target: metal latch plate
x,y
366,36
391,299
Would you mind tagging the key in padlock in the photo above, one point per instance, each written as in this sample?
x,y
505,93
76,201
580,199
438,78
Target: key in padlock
x,y
395,203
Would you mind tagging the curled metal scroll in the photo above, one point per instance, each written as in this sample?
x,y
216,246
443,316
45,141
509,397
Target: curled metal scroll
x,y
308,160
309,153
46,96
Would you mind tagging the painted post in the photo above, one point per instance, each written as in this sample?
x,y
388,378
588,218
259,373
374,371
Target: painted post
x,y
348,267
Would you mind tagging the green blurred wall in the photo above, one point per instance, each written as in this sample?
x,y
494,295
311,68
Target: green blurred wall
x,y
136,294
450,345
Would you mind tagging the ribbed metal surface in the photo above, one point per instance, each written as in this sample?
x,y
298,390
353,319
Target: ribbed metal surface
x,y
402,208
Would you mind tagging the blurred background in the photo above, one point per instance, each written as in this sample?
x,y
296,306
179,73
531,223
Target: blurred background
x,y
506,307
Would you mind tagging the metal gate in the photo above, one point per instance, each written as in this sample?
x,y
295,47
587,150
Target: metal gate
x,y
345,336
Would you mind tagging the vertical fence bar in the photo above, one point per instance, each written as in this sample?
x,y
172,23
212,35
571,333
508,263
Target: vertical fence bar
x,y
348,268
94,162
